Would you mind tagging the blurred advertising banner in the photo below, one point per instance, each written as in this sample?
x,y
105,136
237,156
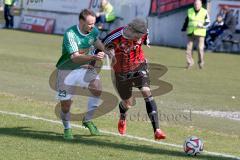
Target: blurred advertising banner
x,y
37,24
68,6
159,7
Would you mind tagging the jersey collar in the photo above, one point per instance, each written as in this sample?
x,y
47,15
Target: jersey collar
x,y
81,32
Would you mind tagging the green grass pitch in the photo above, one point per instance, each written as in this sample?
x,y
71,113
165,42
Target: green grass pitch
x,y
26,62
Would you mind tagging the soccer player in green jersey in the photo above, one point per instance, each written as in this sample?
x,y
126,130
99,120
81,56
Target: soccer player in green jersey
x,y
75,69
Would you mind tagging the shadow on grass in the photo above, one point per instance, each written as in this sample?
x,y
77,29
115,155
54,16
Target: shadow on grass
x,y
179,67
99,141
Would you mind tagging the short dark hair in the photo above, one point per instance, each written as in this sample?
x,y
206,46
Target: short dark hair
x,y
86,12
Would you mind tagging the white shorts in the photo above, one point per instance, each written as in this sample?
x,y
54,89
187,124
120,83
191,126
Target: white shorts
x,y
67,80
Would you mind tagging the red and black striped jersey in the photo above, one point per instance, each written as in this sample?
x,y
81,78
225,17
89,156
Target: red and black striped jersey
x,y
128,53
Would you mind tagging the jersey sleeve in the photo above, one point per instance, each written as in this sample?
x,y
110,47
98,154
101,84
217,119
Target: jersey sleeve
x,y
69,43
145,38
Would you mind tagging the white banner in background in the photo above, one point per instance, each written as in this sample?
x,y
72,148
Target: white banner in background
x,y
70,6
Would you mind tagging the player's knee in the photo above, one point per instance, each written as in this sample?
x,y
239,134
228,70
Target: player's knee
x,y
146,92
127,103
145,89
65,105
95,88
96,92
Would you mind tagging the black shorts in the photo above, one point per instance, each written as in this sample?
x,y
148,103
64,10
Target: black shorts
x,y
124,82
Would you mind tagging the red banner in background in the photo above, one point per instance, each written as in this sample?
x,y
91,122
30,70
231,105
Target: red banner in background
x,y
37,24
159,7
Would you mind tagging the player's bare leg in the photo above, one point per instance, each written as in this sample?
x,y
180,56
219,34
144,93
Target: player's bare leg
x,y
93,102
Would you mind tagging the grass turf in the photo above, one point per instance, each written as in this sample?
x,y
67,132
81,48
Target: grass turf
x,y
27,61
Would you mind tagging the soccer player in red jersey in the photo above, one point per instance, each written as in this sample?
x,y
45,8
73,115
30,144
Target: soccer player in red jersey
x,y
130,70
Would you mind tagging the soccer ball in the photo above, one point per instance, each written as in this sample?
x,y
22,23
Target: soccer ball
x,y
193,146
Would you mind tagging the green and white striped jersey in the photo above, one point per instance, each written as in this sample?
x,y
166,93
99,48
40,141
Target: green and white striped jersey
x,y
75,41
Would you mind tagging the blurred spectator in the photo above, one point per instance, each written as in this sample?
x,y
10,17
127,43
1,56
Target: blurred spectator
x,y
229,19
214,31
228,38
106,13
8,4
195,24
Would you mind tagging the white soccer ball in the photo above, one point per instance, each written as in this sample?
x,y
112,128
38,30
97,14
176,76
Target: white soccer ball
x,y
193,146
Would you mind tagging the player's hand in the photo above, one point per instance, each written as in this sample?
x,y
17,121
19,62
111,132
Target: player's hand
x,y
99,56
110,53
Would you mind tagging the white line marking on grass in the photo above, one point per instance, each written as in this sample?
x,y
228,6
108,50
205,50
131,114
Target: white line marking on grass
x,y
220,114
115,134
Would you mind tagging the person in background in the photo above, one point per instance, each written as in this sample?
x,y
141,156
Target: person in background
x,y
9,19
230,23
229,19
196,23
106,13
214,31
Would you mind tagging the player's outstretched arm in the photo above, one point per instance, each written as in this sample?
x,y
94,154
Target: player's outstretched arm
x,y
99,45
81,59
